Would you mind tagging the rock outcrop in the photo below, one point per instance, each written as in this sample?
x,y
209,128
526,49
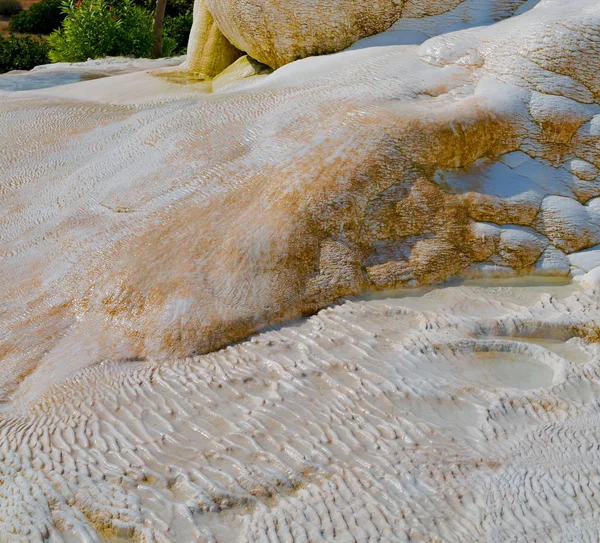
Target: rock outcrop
x,y
277,32
144,222
192,224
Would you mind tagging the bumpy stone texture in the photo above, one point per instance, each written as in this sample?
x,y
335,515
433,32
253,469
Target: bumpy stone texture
x,y
176,228
465,414
159,221
276,32
209,51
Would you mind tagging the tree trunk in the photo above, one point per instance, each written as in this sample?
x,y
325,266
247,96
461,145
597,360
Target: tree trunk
x,y
159,16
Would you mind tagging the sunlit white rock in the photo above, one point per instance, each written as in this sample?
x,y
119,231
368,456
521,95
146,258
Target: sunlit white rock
x,y
145,221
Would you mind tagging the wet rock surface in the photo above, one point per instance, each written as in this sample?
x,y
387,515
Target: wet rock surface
x,y
146,222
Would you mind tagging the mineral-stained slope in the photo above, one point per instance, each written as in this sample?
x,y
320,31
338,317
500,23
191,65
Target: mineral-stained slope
x,y
144,223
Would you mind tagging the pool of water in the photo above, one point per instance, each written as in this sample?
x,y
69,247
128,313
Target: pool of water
x,y
506,369
32,81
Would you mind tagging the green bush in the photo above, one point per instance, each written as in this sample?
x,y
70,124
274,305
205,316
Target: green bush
x,y
178,29
174,8
178,7
22,53
41,18
94,29
8,8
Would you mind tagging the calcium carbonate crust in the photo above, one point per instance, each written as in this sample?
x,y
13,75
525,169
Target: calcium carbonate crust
x,y
157,222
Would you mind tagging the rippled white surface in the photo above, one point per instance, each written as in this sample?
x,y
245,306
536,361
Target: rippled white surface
x,y
144,222
464,413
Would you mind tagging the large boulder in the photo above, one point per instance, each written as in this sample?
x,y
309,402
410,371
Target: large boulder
x,y
276,32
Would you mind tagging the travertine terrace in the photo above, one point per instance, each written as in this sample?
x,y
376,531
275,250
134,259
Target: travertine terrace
x,y
450,154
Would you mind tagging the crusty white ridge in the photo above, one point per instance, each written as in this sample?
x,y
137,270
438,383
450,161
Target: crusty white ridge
x,y
145,223
465,414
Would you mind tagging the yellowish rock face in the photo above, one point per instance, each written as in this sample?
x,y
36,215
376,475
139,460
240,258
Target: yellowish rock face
x,y
277,32
209,51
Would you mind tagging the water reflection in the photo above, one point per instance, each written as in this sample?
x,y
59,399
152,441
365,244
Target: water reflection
x,y
32,81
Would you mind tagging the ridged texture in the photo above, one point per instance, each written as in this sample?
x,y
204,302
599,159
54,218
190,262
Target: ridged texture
x,y
463,415
153,229
144,223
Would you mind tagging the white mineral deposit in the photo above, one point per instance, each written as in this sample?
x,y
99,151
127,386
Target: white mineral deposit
x,y
334,277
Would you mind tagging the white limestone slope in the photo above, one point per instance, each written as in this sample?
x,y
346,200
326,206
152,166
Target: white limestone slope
x,y
145,222
421,22
460,414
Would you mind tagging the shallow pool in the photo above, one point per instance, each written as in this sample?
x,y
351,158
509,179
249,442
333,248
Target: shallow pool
x,y
32,81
